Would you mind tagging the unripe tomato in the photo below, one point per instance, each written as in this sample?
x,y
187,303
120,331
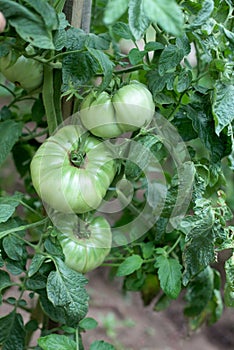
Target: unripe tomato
x,y
98,115
25,72
130,108
2,22
71,171
85,245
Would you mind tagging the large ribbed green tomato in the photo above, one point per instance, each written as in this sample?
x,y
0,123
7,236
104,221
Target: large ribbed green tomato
x,y
130,108
71,171
25,72
85,245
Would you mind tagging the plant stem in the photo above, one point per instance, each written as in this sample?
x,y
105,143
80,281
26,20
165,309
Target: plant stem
x,y
48,98
129,69
22,228
77,339
33,135
174,245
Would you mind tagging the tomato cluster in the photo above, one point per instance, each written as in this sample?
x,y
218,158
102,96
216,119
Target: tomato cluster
x,y
72,170
130,108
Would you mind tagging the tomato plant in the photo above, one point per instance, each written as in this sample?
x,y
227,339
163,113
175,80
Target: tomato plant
x,y
117,151
130,108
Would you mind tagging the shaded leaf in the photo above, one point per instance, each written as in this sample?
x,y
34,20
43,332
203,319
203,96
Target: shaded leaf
x,y
138,21
114,10
65,289
229,285
12,332
166,13
10,132
203,14
105,64
170,58
8,205
199,292
223,106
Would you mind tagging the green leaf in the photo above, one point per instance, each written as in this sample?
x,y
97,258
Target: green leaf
x,y
12,332
56,341
136,56
157,82
229,285
199,292
199,251
166,13
36,263
88,323
184,80
129,265
114,10
5,282
223,106
29,24
163,99
169,273
22,155
78,69
8,205
203,15
10,132
100,42
153,46
138,22
101,345
105,64
65,289
46,11
147,249
14,248
122,30
170,58
57,314
199,111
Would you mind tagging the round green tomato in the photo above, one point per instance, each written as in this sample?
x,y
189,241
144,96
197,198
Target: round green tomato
x,y
130,108
85,245
71,171
24,72
134,106
98,115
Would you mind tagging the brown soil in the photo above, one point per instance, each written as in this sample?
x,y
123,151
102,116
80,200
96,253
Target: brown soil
x,y
126,323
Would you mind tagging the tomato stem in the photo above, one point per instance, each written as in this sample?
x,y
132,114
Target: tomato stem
x,y
77,158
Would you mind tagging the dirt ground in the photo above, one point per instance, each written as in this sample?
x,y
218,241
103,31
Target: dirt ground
x,y
128,325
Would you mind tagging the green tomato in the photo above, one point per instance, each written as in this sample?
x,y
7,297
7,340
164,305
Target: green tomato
x,y
71,171
130,108
24,72
98,115
85,245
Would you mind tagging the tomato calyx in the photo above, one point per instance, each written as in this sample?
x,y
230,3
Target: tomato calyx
x,y
83,231
77,158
